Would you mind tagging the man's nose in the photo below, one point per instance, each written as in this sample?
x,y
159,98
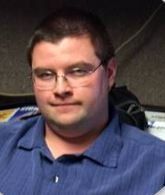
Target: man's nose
x,y
62,87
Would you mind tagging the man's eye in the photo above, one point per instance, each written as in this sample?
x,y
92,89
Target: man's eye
x,y
45,75
78,72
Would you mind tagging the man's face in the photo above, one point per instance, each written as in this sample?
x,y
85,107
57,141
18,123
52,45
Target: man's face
x,y
66,106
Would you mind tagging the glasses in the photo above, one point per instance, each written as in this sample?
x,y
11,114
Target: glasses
x,y
76,76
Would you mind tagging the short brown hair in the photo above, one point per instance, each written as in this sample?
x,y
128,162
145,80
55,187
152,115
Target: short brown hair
x,y
73,22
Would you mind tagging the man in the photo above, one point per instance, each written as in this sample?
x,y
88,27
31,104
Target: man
x,y
77,146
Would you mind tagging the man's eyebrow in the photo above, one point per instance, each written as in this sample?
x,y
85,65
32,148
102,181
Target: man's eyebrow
x,y
70,66
79,64
43,69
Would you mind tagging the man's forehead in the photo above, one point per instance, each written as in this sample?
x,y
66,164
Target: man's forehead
x,y
67,39
68,50
77,44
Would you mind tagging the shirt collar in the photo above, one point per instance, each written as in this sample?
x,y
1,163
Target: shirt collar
x,y
107,147
105,150
34,136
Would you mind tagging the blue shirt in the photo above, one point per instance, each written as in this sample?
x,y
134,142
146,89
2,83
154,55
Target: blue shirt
x,y
122,161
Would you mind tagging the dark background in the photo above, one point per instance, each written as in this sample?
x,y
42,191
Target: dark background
x,y
140,63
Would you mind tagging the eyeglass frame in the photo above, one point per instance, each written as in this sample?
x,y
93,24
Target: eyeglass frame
x,y
66,78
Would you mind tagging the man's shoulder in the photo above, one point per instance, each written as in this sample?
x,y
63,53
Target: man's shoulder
x,y
14,128
142,139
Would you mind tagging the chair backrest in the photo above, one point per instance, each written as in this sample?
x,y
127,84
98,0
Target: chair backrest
x,y
129,107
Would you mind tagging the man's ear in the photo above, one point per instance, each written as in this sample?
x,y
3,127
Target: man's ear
x,y
111,71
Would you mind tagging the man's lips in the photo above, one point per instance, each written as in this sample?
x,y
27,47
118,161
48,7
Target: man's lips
x,y
65,104
65,107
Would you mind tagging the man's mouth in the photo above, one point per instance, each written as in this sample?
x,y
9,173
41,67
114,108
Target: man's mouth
x,y
66,104
64,107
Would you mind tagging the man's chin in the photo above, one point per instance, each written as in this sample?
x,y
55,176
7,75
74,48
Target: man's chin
x,y
65,121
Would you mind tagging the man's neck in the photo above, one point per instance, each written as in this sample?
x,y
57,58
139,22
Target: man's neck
x,y
60,144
